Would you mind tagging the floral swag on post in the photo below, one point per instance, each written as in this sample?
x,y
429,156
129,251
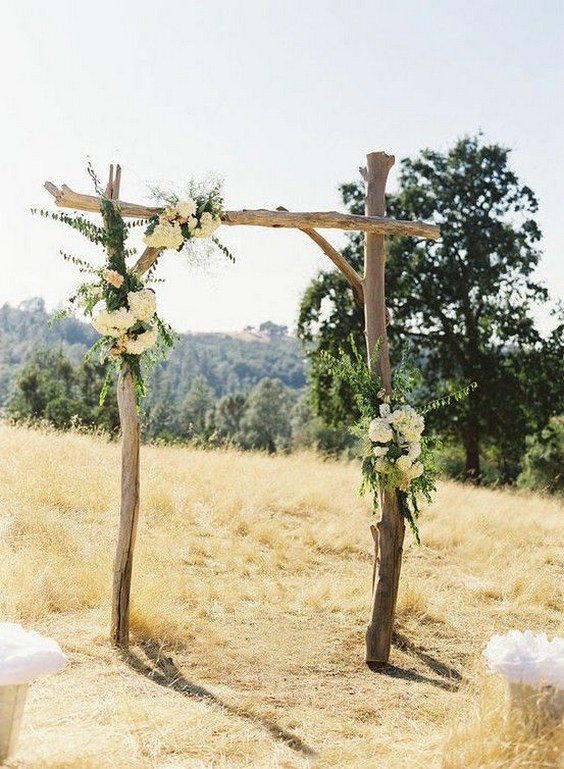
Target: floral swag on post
x,y
121,306
395,454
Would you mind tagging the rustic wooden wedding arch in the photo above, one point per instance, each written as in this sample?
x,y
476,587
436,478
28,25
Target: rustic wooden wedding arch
x,y
368,290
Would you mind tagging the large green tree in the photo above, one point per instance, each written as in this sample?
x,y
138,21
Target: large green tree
x,y
464,302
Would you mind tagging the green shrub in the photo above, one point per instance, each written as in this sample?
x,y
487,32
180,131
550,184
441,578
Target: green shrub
x,y
543,463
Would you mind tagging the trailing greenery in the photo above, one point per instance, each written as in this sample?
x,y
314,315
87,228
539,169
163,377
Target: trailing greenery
x,y
126,332
395,454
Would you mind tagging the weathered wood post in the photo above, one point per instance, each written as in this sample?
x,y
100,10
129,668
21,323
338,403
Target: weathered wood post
x,y
388,534
129,508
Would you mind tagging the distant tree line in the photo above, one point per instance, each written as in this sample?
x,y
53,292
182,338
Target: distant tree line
x,y
246,390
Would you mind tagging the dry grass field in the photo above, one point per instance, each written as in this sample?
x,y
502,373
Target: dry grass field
x,y
250,599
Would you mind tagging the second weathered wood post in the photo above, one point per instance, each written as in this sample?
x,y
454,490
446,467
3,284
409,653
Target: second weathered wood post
x,y
388,533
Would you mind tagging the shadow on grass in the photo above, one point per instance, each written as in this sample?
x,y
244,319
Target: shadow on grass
x,y
450,678
163,671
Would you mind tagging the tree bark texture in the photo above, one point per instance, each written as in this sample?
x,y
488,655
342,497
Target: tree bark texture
x,y
129,511
388,534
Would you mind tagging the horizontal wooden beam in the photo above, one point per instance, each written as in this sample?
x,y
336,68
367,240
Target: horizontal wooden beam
x,y
302,220
379,225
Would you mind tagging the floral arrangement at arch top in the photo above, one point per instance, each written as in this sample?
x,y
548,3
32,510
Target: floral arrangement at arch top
x,y
120,304
182,220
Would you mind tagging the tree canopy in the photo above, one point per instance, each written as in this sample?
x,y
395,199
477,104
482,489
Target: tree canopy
x,y
464,303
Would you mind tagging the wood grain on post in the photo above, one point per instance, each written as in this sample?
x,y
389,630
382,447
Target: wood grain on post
x,y
388,534
129,510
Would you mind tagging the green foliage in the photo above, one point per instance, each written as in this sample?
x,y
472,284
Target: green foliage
x,y
231,366
375,406
112,285
543,464
50,388
197,411
465,303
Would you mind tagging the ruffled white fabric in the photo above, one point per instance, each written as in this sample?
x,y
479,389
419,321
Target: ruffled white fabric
x,y
527,658
26,655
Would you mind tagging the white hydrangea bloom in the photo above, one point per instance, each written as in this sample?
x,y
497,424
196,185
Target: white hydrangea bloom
x,y
414,451
207,225
380,451
165,235
385,410
408,422
142,343
380,431
404,464
114,323
143,304
192,223
186,208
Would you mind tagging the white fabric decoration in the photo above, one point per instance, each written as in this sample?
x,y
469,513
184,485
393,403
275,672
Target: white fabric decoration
x,y
25,655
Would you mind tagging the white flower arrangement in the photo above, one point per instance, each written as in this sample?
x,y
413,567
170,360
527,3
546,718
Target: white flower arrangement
x,y
122,309
181,221
131,325
396,456
396,443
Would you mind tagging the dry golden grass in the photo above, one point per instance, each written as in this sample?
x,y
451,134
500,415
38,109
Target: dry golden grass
x,y
249,604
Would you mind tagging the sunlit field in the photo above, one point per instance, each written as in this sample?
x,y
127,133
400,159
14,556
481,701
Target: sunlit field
x,y
250,597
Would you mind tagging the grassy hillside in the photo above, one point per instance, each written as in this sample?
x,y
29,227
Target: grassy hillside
x,y
250,599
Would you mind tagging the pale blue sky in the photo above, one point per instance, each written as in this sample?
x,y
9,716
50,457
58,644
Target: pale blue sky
x,y
281,99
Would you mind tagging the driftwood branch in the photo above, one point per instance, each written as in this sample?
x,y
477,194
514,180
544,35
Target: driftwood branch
x,y
378,225
350,274
147,260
